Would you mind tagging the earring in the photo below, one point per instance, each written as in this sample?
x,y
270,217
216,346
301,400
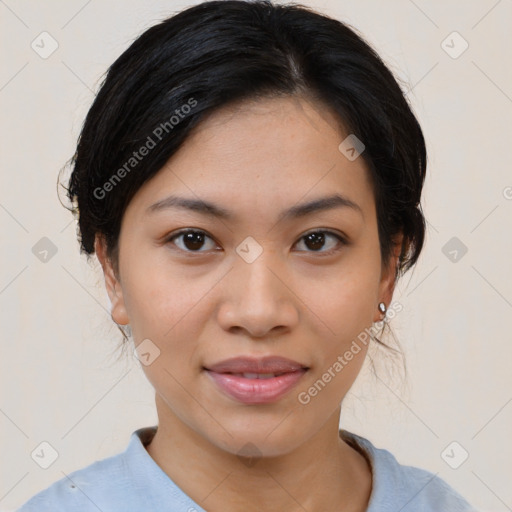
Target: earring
x,y
382,307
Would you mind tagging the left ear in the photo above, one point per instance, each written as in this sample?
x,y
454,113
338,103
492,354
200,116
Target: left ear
x,y
388,277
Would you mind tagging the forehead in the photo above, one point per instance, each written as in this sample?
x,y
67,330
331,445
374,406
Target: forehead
x,y
252,156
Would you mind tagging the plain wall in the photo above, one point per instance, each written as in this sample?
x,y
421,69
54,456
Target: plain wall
x,y
60,379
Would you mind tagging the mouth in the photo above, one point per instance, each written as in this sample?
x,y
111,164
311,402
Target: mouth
x,y
256,380
256,388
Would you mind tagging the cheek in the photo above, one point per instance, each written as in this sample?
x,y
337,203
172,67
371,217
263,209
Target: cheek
x,y
161,303
173,328
343,302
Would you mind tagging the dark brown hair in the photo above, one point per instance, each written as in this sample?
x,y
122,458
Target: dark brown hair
x,y
218,52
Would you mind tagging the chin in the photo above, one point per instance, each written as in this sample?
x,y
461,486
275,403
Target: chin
x,y
262,439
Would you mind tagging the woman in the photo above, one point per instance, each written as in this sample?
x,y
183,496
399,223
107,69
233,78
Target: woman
x,y
249,177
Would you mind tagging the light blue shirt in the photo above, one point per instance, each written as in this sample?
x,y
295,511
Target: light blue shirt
x,y
131,481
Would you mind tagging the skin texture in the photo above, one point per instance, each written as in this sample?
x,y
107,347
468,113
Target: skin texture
x,y
256,159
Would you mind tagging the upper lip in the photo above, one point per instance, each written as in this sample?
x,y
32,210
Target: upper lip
x,y
269,364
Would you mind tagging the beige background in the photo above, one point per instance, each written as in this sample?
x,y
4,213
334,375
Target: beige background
x,y
60,381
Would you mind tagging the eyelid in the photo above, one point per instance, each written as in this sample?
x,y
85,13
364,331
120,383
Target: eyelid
x,y
329,231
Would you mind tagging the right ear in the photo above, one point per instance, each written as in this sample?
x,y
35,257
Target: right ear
x,y
112,284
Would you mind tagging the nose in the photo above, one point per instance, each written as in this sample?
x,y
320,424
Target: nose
x,y
258,298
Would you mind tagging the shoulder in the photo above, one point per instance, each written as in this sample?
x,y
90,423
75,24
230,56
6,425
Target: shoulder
x,y
92,488
407,488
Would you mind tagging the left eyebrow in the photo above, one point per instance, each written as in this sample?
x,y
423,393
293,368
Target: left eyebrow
x,y
210,209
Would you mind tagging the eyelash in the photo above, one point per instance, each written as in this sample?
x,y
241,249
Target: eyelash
x,y
340,238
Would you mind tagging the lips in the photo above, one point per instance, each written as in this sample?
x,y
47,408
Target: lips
x,y
260,366
256,381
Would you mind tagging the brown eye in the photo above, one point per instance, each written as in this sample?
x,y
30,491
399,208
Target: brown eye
x,y
316,240
192,240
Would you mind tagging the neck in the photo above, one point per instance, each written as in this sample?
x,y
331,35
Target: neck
x,y
325,474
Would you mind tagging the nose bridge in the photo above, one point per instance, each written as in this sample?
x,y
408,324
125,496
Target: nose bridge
x,y
256,298
259,284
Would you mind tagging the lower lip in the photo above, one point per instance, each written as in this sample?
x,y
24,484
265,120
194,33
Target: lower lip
x,y
256,391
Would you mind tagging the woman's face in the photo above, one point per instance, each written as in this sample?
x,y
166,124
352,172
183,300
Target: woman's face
x,y
254,284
